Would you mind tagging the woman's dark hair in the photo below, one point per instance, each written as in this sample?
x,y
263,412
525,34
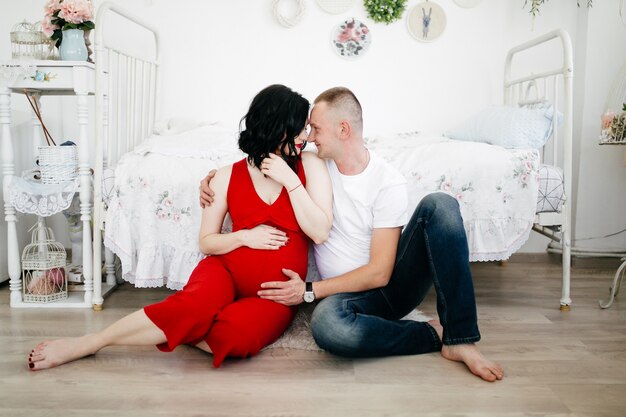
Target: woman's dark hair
x,y
275,118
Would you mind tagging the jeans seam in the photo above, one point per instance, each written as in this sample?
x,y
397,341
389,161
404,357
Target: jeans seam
x,y
440,295
461,340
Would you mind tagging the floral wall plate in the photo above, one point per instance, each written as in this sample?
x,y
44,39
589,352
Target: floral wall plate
x,y
426,21
335,6
351,39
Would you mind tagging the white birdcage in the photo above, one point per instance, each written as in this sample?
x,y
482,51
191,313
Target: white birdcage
x,y
43,267
27,41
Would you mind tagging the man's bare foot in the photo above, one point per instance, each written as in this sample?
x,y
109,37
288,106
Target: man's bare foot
x,y
57,352
470,356
474,360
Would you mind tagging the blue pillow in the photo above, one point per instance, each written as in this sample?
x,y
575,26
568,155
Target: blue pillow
x,y
509,127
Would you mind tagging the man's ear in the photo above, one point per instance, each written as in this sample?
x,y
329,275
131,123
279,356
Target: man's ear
x,y
345,129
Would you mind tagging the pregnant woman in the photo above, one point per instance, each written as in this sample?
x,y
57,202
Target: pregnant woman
x,y
278,199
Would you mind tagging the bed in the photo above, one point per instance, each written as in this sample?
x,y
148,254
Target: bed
x,y
146,208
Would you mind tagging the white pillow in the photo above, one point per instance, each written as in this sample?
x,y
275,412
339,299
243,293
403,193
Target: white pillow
x,y
211,141
509,127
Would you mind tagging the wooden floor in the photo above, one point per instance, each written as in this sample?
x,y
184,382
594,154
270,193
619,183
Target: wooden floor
x,y
557,363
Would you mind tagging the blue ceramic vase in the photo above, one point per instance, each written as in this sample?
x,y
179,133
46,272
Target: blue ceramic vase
x,y
73,45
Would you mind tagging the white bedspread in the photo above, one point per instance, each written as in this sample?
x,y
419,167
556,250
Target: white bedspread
x,y
153,217
496,188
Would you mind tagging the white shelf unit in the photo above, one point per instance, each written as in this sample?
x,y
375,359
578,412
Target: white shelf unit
x,y
64,78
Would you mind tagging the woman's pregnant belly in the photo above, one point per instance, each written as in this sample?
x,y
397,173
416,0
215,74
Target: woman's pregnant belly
x,y
250,268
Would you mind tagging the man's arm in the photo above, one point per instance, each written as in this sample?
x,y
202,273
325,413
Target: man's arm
x,y
206,193
375,274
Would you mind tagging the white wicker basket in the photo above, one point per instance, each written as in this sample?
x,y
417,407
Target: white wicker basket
x,y
58,164
43,268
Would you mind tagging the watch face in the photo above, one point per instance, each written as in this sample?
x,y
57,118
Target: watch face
x,y
309,297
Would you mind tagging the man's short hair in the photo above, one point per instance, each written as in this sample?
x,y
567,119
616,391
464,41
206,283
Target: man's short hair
x,y
343,100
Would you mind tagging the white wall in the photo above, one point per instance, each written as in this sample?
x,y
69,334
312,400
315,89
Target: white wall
x,y
217,55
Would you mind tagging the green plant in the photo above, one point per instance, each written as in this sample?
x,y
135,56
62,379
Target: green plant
x,y
385,11
535,4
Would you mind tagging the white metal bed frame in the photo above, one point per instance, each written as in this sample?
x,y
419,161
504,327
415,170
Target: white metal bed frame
x,y
126,85
116,69
537,88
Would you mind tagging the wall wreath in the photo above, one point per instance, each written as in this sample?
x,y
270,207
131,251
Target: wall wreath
x,y
294,18
385,11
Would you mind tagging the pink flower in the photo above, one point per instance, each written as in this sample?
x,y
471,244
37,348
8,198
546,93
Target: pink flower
x,y
365,30
52,6
162,215
524,178
76,11
529,166
446,185
607,119
168,202
47,27
176,217
345,36
459,197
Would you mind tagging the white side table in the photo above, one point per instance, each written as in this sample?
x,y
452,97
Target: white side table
x,y
63,78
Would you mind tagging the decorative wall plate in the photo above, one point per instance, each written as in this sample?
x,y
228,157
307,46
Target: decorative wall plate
x,y
335,6
467,3
426,21
351,39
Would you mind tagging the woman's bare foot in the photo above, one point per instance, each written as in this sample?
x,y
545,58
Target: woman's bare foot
x,y
474,360
57,352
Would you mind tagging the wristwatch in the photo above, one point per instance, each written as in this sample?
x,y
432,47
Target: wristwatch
x,y
309,295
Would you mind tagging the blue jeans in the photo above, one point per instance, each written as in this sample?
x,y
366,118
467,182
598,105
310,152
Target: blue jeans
x,y
432,250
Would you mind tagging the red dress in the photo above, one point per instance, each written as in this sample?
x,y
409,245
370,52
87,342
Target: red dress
x,y
219,304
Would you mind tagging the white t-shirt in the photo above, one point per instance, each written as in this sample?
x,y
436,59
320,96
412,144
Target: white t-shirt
x,y
375,198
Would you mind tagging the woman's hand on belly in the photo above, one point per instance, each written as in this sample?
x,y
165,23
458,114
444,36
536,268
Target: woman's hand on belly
x,y
264,237
288,292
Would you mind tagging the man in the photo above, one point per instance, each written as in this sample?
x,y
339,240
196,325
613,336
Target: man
x,y
374,272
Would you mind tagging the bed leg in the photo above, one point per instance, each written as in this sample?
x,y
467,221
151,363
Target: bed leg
x,y
567,263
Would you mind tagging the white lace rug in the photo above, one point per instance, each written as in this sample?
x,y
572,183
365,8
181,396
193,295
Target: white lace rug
x,y
298,335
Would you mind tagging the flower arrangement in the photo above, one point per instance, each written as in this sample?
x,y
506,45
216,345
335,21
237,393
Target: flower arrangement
x,y
614,126
61,15
385,11
535,4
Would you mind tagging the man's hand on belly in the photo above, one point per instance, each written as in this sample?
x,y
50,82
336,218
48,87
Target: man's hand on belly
x,y
288,292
